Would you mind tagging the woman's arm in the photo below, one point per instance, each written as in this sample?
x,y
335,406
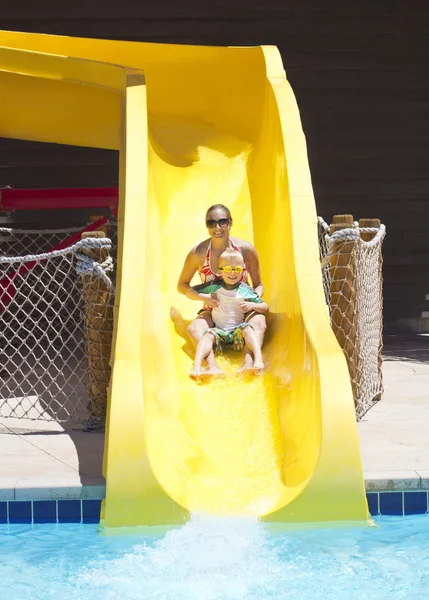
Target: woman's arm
x,y
251,257
188,271
184,283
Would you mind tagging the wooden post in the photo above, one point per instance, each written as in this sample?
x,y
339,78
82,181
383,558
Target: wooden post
x,y
98,309
375,223
367,237
343,298
103,228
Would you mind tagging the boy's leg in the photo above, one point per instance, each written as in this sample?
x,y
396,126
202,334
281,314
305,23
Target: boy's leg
x,y
259,324
196,330
205,346
253,343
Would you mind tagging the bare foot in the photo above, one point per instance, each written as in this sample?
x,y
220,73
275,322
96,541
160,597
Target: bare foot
x,y
246,366
211,374
195,374
256,369
258,365
247,360
215,372
206,376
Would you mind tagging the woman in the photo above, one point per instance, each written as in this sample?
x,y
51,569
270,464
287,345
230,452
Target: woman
x,y
204,258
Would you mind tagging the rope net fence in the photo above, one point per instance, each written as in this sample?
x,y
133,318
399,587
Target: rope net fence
x,y
56,318
351,263
22,242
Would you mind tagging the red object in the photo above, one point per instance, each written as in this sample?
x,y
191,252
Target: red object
x,y
7,286
12,199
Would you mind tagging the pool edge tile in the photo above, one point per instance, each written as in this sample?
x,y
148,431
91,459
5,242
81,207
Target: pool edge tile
x,y
44,511
91,511
69,511
392,503
416,503
373,503
3,512
20,512
39,489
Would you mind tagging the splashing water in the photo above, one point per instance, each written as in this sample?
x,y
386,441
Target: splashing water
x,y
217,559
206,559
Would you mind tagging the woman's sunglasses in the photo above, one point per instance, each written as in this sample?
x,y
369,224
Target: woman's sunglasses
x,y
229,269
211,223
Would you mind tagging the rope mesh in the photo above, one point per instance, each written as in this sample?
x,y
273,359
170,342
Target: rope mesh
x,y
56,317
56,326
21,242
352,280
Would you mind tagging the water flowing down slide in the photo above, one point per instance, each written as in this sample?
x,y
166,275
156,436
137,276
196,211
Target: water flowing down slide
x,y
222,125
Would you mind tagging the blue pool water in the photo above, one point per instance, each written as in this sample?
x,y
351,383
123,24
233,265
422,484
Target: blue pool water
x,y
210,559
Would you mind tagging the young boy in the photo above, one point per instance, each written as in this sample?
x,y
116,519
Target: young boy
x,y
233,300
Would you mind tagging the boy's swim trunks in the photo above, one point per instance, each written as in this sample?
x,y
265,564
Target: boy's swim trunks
x,y
229,338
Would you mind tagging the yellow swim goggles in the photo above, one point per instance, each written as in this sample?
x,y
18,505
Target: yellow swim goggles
x,y
229,269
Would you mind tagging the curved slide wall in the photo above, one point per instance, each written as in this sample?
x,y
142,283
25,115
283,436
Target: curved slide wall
x,y
223,126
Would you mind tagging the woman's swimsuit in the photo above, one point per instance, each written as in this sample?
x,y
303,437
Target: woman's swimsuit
x,y
206,273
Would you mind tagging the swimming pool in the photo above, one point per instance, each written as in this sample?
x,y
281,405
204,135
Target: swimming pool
x,y
217,559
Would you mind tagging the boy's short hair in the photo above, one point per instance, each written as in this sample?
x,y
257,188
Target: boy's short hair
x,y
231,253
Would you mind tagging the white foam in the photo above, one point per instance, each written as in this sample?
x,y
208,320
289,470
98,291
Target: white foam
x,y
207,559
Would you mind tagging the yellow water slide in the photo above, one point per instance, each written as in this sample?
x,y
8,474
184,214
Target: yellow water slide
x,y
197,126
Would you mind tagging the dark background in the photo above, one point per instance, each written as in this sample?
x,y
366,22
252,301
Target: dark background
x,y
360,72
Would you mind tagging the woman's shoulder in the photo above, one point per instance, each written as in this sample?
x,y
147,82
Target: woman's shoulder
x,y
200,248
243,245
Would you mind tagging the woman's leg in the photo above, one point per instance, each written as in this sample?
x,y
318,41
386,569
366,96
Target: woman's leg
x,y
252,342
259,324
196,330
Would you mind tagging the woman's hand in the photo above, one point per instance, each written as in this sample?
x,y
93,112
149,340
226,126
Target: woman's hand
x,y
246,306
259,307
210,300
